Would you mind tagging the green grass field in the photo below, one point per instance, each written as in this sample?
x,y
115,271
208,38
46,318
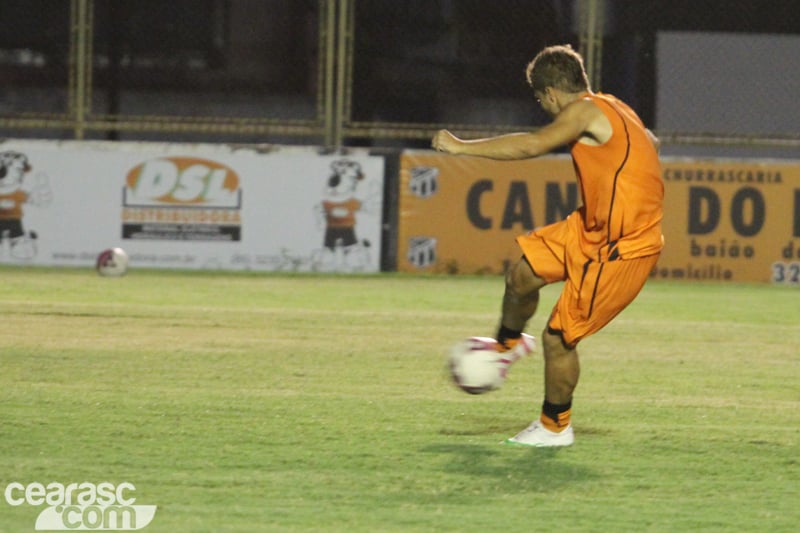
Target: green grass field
x,y
244,402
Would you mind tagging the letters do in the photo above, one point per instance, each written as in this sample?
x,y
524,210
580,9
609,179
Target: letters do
x,y
747,209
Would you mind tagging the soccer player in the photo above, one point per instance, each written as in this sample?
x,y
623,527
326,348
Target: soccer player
x,y
603,252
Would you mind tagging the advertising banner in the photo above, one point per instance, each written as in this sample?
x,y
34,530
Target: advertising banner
x,y
727,220
190,206
462,214
731,220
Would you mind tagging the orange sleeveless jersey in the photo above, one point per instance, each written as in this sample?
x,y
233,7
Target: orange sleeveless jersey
x,y
621,187
608,247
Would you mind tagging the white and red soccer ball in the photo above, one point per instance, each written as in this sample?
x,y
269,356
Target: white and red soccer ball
x,y
112,262
476,366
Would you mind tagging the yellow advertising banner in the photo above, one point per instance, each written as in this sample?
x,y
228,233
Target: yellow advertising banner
x,y
727,220
731,220
461,214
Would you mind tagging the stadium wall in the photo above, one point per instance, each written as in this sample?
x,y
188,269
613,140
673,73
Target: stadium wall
x,y
280,208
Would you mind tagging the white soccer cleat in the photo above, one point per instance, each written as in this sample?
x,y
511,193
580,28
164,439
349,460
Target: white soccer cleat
x,y
524,347
537,435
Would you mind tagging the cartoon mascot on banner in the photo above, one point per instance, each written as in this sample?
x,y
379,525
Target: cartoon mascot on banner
x,y
343,251
20,244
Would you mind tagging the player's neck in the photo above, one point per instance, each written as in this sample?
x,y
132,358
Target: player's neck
x,y
564,99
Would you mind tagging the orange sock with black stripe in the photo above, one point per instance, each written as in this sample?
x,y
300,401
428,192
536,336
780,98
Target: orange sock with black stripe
x,y
556,417
507,338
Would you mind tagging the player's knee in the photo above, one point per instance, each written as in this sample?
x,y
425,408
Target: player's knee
x,y
554,344
521,280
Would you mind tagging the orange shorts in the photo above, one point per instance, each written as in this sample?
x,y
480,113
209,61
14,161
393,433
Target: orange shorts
x,y
594,291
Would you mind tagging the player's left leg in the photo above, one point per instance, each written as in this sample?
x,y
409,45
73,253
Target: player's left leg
x,y
561,373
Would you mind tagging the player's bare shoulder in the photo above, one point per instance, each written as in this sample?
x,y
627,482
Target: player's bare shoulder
x,y
597,128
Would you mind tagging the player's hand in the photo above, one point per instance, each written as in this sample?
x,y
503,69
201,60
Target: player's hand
x,y
444,141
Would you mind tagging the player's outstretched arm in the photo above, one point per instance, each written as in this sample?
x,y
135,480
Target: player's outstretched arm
x,y
568,126
509,146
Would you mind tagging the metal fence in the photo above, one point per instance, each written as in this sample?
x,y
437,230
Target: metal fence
x,y
387,72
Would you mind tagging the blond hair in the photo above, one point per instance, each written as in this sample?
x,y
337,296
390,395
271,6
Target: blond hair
x,y
559,67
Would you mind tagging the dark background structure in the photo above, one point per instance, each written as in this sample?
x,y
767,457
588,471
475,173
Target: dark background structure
x,y
382,73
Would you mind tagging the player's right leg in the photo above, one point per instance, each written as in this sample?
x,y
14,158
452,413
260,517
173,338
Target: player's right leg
x,y
520,300
542,263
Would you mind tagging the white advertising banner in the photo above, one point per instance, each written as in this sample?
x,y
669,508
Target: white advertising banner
x,y
190,206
